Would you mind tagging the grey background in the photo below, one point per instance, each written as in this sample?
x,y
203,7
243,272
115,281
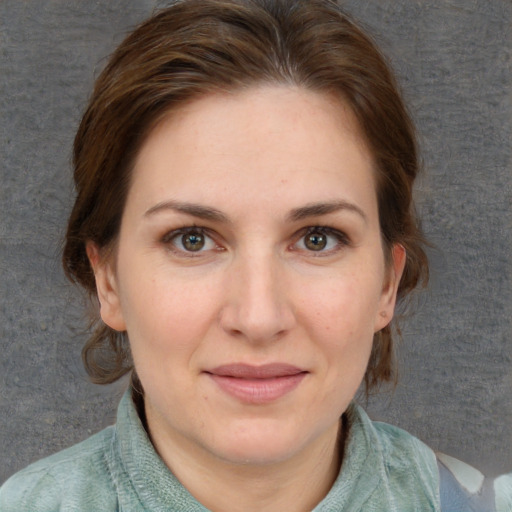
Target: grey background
x,y
453,60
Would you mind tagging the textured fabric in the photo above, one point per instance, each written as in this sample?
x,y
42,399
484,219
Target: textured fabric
x,y
384,468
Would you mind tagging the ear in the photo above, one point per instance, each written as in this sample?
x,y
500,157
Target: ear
x,y
390,289
107,289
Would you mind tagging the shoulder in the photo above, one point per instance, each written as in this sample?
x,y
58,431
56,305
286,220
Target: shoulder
x,y
457,485
74,479
405,467
404,452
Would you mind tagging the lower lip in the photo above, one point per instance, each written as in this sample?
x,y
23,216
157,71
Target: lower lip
x,y
258,391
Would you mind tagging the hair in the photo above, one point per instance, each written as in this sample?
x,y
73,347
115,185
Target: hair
x,y
198,47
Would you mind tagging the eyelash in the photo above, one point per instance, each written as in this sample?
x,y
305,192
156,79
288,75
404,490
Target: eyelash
x,y
169,238
341,240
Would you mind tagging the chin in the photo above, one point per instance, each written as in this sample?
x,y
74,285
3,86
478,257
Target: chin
x,y
260,442
256,454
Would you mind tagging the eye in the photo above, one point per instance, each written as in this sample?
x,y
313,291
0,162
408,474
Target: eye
x,y
193,241
189,240
321,239
315,241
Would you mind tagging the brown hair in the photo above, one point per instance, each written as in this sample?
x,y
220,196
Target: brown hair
x,y
196,47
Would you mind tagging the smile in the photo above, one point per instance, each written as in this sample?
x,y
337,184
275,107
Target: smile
x,y
257,385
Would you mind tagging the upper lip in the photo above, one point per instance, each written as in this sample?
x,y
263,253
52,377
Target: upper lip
x,y
247,371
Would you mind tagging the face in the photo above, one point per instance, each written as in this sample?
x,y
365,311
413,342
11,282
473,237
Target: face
x,y
249,273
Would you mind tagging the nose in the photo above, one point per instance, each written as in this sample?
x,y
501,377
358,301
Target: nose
x,y
258,305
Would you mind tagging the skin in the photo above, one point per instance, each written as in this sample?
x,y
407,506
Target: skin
x,y
252,163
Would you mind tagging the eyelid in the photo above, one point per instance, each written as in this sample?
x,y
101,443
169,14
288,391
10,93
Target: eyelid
x,y
173,233
168,238
337,233
343,240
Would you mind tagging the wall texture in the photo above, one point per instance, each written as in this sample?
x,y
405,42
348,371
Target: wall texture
x,y
453,58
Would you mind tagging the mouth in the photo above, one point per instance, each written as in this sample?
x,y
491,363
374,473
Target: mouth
x,y
257,385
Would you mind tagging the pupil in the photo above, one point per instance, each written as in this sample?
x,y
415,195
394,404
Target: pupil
x,y
193,242
316,241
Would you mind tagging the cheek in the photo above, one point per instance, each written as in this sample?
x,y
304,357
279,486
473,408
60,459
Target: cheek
x,y
166,312
340,326
342,309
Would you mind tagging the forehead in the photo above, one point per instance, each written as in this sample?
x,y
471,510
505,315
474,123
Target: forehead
x,y
256,140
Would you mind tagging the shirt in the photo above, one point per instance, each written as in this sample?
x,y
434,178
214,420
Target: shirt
x,y
118,469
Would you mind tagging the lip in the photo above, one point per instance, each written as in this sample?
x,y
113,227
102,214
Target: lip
x,y
257,385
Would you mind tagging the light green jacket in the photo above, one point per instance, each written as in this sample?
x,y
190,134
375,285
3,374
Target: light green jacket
x,y
384,469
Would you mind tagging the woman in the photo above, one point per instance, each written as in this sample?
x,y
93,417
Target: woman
x,y
244,217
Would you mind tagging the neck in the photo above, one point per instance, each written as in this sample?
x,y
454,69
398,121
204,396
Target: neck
x,y
295,485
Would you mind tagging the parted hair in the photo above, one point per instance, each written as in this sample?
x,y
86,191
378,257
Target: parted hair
x,y
198,47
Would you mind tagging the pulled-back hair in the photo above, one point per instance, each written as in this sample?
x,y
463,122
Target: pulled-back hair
x,y
197,47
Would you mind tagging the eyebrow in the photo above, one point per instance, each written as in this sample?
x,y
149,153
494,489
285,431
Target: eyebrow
x,y
196,210
324,208
297,214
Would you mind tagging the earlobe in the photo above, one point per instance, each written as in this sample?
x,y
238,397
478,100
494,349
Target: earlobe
x,y
390,289
106,287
